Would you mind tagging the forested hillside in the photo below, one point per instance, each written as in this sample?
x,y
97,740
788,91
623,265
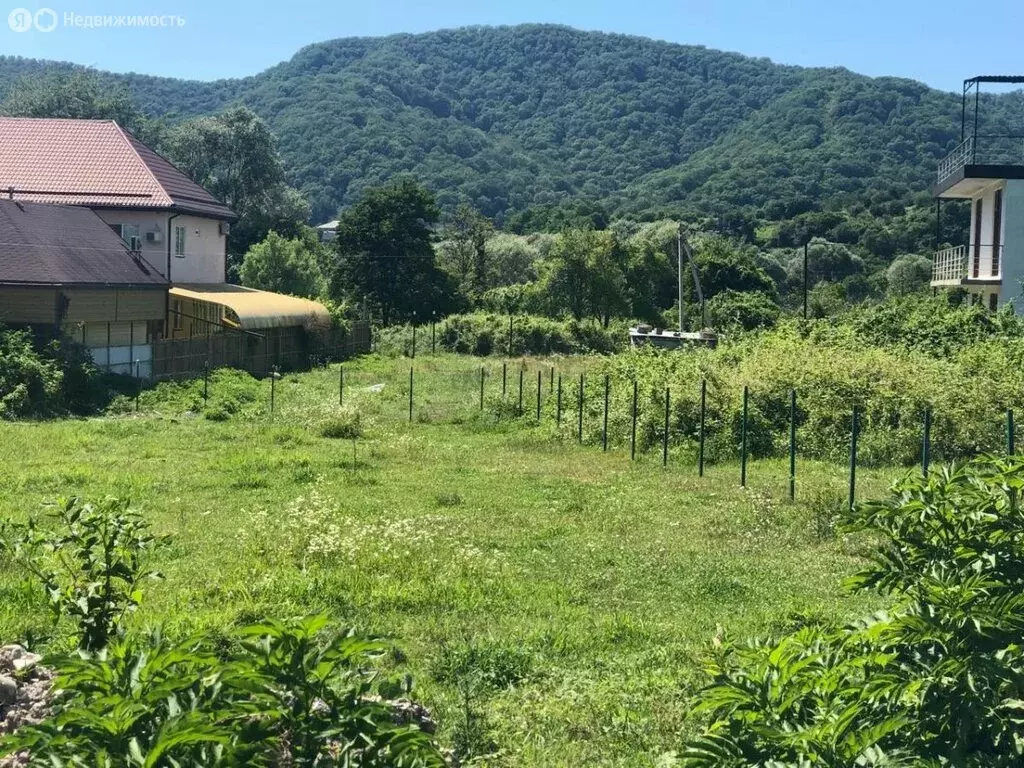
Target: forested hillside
x,y
534,117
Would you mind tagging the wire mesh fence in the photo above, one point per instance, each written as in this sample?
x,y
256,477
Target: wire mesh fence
x,y
575,401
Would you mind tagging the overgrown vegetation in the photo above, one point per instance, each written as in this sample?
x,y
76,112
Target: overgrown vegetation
x,y
935,680
278,691
42,377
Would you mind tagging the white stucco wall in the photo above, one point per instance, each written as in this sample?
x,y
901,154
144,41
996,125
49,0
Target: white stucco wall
x,y
985,236
1013,245
205,247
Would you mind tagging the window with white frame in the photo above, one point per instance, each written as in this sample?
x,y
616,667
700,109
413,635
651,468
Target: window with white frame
x,y
179,242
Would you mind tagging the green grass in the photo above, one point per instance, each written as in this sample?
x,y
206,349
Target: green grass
x,y
570,592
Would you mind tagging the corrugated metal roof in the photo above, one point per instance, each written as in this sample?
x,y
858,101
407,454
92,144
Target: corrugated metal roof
x,y
60,244
255,309
94,163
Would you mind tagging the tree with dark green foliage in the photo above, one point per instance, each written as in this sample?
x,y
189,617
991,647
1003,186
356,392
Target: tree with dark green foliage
x,y
745,311
587,275
465,239
386,255
234,156
723,266
282,265
78,94
910,273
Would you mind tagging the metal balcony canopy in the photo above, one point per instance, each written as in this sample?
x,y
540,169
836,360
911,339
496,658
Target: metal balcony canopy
x,y
1008,79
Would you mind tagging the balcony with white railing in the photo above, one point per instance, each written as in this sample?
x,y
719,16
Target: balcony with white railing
x,y
967,264
982,153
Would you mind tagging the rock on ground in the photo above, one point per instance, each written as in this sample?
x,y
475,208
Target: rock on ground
x,y
24,694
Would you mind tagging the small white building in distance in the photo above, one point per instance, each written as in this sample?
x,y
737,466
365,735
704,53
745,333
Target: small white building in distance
x,y
327,231
987,168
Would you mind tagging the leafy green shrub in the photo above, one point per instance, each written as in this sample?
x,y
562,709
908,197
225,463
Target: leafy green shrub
x,y
45,378
90,563
217,413
486,334
346,425
745,311
287,693
275,693
967,392
229,393
937,680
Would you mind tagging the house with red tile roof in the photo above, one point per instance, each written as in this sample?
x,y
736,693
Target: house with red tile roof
x,y
163,218
173,222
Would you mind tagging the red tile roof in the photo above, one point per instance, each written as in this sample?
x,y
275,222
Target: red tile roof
x,y
66,245
94,163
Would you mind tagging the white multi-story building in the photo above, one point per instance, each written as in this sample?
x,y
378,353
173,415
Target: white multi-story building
x,y
987,168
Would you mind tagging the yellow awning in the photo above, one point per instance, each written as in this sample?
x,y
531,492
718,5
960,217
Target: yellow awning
x,y
254,310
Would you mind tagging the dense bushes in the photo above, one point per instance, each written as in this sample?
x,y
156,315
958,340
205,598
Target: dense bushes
x,y
228,393
41,378
832,369
488,334
937,680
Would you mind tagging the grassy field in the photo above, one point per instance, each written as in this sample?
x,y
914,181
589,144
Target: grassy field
x,y
551,601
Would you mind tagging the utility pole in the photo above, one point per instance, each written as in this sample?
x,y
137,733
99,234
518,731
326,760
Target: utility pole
x,y
679,250
805,278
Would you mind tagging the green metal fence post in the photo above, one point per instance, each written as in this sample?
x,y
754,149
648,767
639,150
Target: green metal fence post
x,y
413,340
551,380
664,435
703,414
743,439
604,429
581,410
341,385
792,444
410,393
926,442
433,338
206,381
1011,439
504,379
632,437
273,379
538,395
519,412
482,374
854,432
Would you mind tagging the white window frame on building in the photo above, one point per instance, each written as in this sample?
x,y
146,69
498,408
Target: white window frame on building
x,y
179,242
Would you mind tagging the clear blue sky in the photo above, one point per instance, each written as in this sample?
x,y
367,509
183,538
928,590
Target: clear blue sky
x,y
939,41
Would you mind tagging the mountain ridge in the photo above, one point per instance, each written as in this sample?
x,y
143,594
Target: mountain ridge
x,y
533,116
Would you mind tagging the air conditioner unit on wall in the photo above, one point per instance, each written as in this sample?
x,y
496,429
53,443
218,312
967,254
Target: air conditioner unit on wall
x,y
155,237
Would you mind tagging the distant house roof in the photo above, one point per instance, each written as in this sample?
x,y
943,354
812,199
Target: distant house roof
x,y
329,226
66,245
95,163
251,309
